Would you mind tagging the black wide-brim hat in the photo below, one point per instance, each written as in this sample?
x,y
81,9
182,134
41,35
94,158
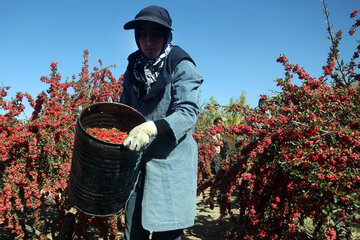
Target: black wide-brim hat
x,y
154,14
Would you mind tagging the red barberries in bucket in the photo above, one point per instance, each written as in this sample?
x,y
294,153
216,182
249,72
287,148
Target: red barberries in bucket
x,y
112,135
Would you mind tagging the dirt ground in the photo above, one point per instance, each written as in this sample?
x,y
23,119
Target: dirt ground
x,y
206,223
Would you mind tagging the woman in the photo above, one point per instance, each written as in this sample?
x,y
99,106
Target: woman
x,y
161,82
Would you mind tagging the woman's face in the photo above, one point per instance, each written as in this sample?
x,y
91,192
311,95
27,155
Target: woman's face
x,y
151,39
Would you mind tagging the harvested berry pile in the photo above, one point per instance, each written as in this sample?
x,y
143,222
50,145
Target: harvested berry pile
x,y
111,135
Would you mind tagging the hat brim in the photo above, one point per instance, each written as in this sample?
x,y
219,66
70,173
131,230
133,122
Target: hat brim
x,y
135,23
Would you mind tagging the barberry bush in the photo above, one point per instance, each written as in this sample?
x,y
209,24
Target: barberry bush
x,y
36,152
298,158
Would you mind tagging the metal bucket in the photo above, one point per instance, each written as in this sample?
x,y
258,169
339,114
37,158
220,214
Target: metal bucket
x,y
102,174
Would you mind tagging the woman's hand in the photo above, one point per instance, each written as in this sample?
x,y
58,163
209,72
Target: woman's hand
x,y
139,136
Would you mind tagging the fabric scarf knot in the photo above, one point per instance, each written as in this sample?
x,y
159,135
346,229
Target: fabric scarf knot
x,y
148,70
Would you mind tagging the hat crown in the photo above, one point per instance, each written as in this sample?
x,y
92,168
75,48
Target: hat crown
x,y
153,14
156,11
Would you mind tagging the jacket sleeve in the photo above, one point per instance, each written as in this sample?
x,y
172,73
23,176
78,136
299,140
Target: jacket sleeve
x,y
185,101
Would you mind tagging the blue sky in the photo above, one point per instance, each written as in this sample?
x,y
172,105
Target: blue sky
x,y
235,43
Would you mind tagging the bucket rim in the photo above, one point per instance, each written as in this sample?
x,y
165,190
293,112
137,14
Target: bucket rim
x,y
111,103
83,111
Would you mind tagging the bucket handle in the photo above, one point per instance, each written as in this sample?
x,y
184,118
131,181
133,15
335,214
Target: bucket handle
x,y
138,160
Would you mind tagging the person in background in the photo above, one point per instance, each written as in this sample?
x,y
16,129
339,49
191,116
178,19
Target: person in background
x,y
218,142
161,81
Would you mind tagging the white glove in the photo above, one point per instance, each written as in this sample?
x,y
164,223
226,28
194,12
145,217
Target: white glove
x,y
139,136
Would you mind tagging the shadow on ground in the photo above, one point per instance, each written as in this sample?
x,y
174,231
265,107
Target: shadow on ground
x,y
207,224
